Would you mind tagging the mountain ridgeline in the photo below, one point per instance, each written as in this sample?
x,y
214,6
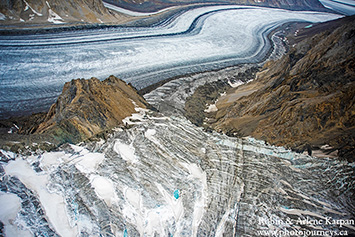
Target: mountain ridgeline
x,y
51,12
145,5
55,12
305,100
86,108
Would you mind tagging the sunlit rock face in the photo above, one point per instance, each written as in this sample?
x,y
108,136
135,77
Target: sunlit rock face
x,y
88,107
165,176
305,99
54,12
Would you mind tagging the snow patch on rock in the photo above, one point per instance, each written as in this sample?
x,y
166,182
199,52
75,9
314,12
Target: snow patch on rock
x,y
2,17
54,17
33,10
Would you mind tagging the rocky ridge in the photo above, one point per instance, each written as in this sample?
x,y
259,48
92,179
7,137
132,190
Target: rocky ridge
x,y
305,100
55,12
87,107
48,13
84,109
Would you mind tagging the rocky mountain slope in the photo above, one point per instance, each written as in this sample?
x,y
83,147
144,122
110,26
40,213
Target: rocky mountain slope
x,y
88,107
84,109
51,12
55,12
304,100
145,5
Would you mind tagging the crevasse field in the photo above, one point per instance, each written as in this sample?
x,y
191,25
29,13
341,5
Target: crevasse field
x,y
164,176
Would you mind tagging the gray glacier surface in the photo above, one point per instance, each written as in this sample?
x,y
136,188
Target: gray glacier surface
x,y
34,68
163,176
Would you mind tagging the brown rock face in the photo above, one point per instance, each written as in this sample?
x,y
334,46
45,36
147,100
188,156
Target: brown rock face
x,y
50,11
306,99
88,107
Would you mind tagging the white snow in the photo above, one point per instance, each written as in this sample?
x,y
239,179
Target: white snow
x,y
54,17
126,151
104,189
156,221
33,10
133,209
133,197
235,84
51,160
176,205
135,118
200,204
32,16
150,133
2,17
10,205
211,108
9,154
88,162
85,161
147,221
38,183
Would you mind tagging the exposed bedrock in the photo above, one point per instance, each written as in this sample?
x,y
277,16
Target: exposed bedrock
x,y
55,12
304,100
86,108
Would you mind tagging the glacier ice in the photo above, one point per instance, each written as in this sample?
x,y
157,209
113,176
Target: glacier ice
x,y
125,185
35,67
225,185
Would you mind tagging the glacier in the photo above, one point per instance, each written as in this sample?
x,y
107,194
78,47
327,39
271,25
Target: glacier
x,y
34,68
127,185
160,175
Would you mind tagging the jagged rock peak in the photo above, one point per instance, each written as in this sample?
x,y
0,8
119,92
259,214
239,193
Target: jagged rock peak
x,y
88,107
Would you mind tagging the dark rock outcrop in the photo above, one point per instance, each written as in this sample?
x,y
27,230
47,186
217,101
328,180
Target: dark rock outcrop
x,y
304,100
88,107
206,94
